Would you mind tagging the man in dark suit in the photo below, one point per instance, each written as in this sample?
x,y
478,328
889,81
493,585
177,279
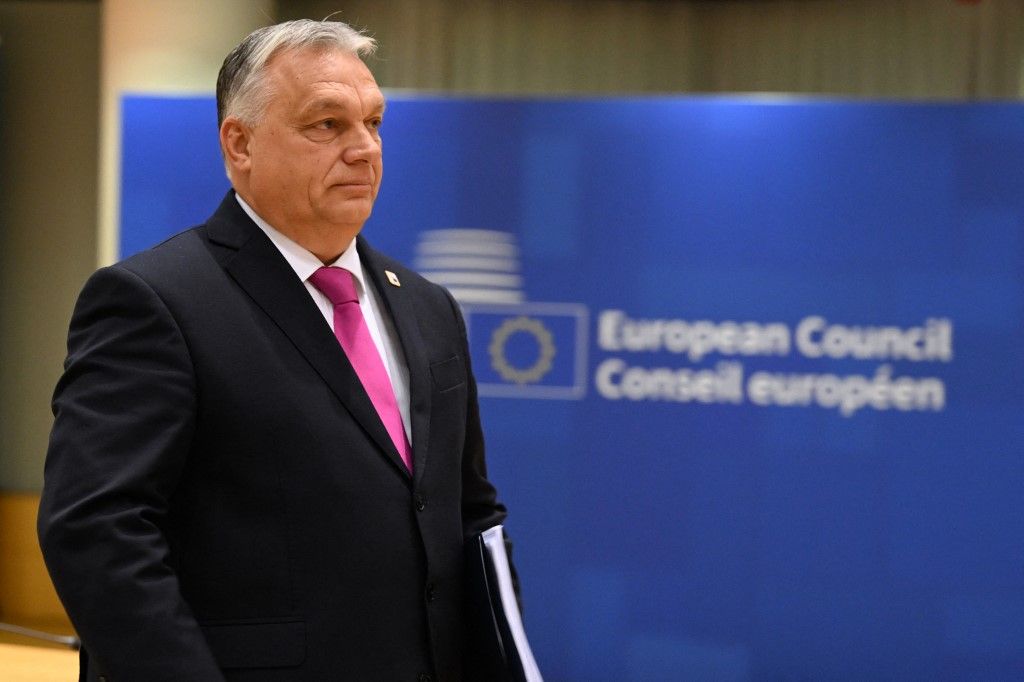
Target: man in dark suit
x,y
231,491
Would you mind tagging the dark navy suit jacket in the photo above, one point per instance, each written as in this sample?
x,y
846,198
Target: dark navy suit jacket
x,y
221,499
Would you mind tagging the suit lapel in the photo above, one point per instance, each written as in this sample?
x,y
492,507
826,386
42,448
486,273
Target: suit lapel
x,y
400,308
267,278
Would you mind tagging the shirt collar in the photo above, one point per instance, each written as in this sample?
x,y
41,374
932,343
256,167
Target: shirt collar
x,y
302,261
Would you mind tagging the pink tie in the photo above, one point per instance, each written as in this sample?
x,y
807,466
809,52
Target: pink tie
x,y
354,336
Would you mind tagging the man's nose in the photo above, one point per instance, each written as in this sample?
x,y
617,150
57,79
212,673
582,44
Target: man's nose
x,y
362,147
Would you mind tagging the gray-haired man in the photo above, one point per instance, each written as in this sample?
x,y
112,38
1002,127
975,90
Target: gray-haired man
x,y
246,480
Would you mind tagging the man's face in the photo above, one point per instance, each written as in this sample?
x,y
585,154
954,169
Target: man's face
x,y
315,157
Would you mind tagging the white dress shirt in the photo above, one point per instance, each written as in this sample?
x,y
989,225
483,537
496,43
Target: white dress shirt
x,y
382,331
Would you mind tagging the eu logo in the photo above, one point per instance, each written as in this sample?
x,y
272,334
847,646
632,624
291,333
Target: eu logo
x,y
528,350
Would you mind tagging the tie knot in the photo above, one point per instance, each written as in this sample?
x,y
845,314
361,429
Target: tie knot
x,y
336,284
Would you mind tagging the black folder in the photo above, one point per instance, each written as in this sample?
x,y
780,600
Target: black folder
x,y
497,648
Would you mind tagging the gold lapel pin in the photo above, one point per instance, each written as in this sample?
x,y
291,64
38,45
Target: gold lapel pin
x,y
393,278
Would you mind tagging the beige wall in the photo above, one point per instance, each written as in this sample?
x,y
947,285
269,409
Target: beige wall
x,y
874,48
167,46
49,68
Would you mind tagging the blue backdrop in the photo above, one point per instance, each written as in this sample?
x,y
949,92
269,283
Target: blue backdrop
x,y
751,371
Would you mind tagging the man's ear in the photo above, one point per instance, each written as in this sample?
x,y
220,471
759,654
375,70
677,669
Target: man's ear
x,y
235,138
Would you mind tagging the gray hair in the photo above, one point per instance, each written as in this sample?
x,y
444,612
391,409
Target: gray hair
x,y
241,83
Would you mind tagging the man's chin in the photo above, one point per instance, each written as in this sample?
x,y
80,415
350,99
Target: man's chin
x,y
351,213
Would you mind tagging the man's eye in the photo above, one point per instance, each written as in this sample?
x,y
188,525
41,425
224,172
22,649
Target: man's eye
x,y
375,123
328,124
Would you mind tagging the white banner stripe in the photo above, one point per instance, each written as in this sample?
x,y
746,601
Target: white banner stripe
x,y
458,233
487,279
467,263
471,295
453,248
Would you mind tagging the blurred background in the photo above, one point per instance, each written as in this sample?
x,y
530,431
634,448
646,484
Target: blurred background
x,y
64,64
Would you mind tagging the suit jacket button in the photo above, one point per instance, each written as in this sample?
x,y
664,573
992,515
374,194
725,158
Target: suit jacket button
x,y
421,503
431,594
424,678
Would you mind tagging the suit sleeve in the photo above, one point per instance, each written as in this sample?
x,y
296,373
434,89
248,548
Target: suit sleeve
x,y
480,507
124,414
